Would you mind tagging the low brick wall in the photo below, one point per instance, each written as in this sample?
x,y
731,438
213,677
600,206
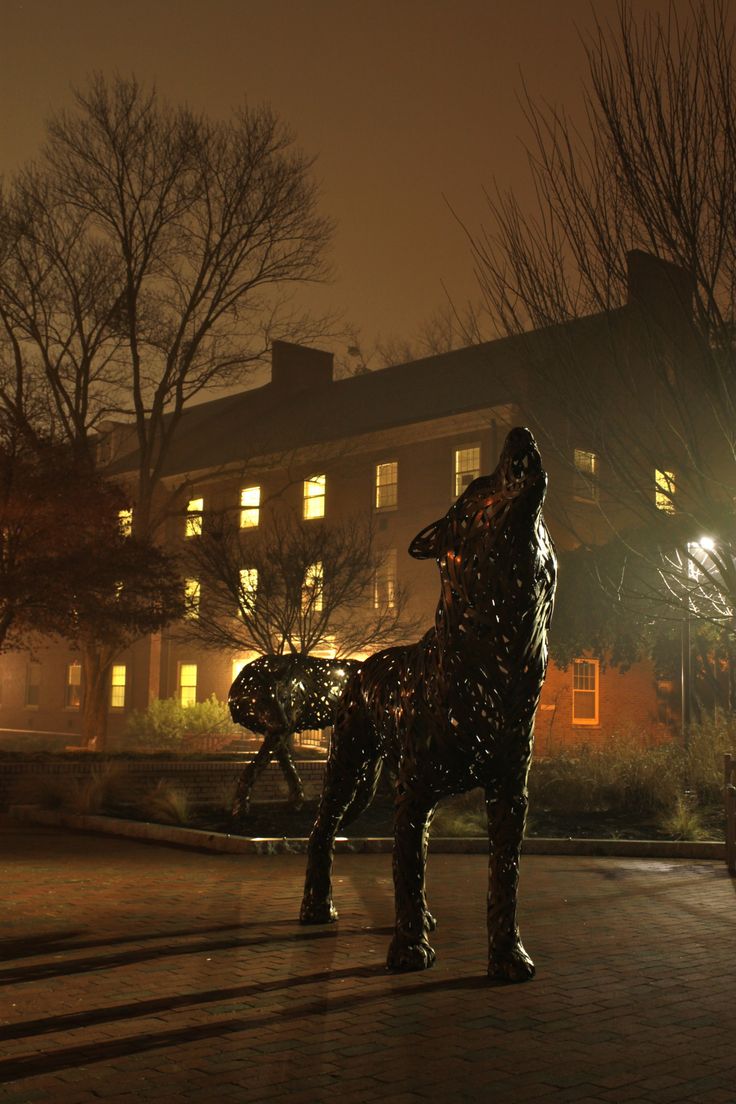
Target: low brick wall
x,y
203,781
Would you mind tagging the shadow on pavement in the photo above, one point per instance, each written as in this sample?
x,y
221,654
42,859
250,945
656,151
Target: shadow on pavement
x,y
36,1064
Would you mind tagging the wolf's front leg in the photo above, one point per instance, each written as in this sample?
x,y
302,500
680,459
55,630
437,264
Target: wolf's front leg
x,y
507,959
410,949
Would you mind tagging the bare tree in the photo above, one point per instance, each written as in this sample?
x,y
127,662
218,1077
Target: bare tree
x,y
444,329
295,589
635,221
148,254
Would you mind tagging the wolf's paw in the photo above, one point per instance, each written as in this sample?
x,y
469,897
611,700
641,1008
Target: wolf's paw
x,y
409,956
512,966
317,912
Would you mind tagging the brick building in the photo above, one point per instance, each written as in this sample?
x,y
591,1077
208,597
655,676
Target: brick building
x,y
397,444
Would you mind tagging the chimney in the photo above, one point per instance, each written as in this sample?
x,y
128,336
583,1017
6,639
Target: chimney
x,y
296,368
660,288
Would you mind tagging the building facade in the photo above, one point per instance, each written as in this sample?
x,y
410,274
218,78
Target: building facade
x,y
394,446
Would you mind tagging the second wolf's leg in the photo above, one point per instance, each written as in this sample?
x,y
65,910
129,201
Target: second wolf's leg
x,y
251,774
345,767
285,760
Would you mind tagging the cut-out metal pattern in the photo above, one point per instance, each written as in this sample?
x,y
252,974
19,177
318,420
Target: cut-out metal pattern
x,y
454,711
276,696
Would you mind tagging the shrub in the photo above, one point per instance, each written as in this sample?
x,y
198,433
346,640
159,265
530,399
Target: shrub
x,y
166,803
166,722
104,787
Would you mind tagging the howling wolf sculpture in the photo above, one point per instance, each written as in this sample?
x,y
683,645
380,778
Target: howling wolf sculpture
x,y
454,711
276,696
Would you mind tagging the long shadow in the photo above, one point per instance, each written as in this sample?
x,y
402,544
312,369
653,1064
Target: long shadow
x,y
50,942
45,971
14,1069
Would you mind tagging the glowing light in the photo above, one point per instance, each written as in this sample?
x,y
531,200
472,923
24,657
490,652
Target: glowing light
x,y
707,543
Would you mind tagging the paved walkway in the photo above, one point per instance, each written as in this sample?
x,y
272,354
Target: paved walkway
x,y
137,973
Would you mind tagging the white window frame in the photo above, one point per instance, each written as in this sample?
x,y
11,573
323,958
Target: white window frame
x,y
193,523
459,474
593,666
250,507
386,491
315,497
187,691
117,699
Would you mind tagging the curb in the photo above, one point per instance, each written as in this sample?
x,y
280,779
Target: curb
x,y
198,840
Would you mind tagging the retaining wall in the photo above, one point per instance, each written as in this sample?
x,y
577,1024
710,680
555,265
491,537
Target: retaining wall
x,y
203,781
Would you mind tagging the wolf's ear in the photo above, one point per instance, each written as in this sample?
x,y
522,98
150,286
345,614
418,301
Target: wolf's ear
x,y
425,545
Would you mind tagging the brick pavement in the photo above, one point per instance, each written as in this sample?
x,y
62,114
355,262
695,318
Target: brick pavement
x,y
136,973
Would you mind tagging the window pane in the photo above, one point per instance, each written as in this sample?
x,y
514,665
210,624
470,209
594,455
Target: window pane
x,y
384,585
248,587
188,683
125,518
467,467
313,591
314,496
585,691
192,591
250,507
193,527
117,690
387,485
664,491
586,475
73,697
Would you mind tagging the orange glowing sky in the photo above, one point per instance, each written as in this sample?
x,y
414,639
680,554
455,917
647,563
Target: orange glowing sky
x,y
403,102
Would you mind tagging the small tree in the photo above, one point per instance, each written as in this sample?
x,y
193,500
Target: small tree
x,y
297,588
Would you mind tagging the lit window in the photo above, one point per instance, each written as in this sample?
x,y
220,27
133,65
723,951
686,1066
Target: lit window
x,y
125,520
250,507
664,491
585,692
313,590
192,591
387,485
33,683
248,587
467,467
314,496
117,686
195,507
188,684
586,475
73,694
384,584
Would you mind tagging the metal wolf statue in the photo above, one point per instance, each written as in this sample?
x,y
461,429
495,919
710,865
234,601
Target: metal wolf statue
x,y
276,696
454,711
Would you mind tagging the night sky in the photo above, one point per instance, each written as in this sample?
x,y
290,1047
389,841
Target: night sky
x,y
402,101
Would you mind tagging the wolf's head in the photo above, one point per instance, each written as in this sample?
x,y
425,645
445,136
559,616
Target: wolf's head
x,y
494,509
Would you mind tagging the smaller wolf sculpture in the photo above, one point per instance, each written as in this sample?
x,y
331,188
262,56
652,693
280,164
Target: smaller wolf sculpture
x,y
276,696
454,711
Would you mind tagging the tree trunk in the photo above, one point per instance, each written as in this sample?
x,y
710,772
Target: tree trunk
x,y
96,664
